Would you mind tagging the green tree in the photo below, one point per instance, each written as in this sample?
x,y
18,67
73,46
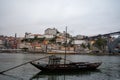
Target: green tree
x,y
100,43
35,38
88,45
83,45
40,40
24,40
53,40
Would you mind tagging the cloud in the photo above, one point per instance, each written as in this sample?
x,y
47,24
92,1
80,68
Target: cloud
x,y
81,16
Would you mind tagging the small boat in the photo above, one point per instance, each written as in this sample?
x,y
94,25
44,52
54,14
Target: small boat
x,y
55,65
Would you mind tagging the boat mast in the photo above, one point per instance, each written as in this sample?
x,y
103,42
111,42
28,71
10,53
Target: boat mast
x,y
65,45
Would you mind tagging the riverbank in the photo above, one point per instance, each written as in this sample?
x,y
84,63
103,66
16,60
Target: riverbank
x,y
97,54
55,52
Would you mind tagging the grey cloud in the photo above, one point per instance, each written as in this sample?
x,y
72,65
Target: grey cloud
x,y
81,16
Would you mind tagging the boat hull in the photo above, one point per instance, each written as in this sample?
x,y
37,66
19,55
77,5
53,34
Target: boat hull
x,y
67,67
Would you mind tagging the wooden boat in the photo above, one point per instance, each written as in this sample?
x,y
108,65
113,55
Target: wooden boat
x,y
54,64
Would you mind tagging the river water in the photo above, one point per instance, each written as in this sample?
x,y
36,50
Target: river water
x,y
109,70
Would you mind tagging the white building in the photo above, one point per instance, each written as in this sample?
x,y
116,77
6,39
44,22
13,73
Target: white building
x,y
48,36
31,36
79,42
50,31
40,36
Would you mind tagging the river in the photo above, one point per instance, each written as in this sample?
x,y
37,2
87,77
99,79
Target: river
x,y
109,70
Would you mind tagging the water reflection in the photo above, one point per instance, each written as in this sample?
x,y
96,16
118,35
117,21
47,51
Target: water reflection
x,y
61,75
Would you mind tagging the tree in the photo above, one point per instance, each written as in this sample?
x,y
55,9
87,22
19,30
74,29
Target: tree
x,y
41,39
88,45
100,43
70,42
53,40
24,40
35,38
83,45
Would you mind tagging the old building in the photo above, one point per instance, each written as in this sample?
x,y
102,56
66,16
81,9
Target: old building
x,y
50,31
79,37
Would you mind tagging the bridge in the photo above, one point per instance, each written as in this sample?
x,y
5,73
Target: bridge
x,y
105,35
113,45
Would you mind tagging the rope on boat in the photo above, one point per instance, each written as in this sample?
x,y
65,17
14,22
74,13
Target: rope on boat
x,y
22,64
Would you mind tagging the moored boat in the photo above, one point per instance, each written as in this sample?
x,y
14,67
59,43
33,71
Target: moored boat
x,y
55,65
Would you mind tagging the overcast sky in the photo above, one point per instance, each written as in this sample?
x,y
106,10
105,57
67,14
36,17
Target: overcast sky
x,y
85,17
